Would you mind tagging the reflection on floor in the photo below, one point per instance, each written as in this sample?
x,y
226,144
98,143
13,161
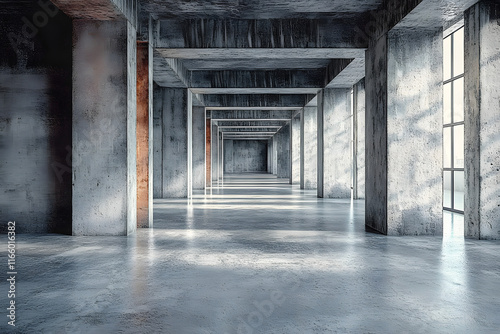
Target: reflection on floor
x,y
257,256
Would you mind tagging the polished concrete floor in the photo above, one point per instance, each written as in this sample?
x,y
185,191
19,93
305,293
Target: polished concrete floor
x,y
257,256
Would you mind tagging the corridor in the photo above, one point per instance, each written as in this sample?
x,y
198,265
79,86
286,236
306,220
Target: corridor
x,y
257,255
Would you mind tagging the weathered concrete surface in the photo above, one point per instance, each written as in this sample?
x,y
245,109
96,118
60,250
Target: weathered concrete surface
x,y
256,100
482,121
243,156
215,153
221,157
334,129
414,133
308,148
228,156
295,154
104,128
282,139
208,155
175,142
100,10
143,135
359,110
270,155
275,156
199,139
376,137
157,142
35,123
250,115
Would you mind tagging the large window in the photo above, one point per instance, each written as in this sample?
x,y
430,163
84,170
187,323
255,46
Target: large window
x,y
453,120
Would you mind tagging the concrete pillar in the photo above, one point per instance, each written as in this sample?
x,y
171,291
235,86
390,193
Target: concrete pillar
x,y
215,154
334,143
228,156
359,123
199,139
482,121
221,156
176,124
283,152
275,155
404,134
295,159
208,154
104,109
308,148
143,131
270,156
157,142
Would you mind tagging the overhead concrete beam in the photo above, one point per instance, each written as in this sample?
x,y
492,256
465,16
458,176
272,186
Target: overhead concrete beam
x,y
350,75
273,33
253,115
256,100
264,79
262,53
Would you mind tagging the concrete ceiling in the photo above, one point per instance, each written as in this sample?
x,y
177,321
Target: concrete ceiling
x,y
258,56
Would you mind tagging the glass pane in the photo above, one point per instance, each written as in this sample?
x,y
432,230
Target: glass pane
x,y
447,58
447,147
458,100
459,191
447,103
447,190
458,52
458,146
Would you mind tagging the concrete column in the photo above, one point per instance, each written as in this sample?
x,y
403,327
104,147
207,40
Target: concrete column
x,y
359,123
275,155
104,109
199,139
228,156
283,152
143,130
334,143
482,121
157,142
270,156
176,123
221,157
215,155
308,147
295,159
404,134
208,154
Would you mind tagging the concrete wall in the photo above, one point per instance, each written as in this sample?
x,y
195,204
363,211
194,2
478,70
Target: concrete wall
x,y
334,144
308,148
35,122
104,128
482,121
295,178
242,156
208,154
359,110
282,138
175,142
199,139
270,156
